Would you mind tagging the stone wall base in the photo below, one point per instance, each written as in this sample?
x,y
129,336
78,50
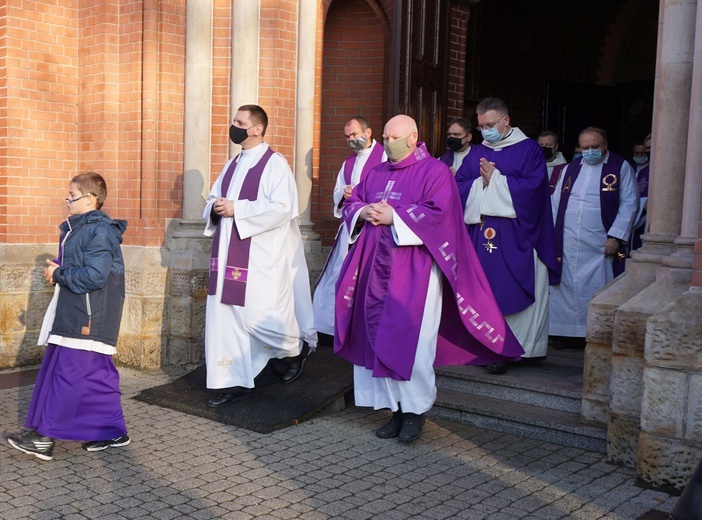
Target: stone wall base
x,y
163,321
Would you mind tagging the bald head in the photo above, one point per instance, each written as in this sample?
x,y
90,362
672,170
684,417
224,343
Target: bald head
x,y
400,137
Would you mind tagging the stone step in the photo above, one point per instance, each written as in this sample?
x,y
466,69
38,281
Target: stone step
x,y
540,401
519,385
532,421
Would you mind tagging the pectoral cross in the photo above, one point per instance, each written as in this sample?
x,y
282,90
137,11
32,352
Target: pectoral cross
x,y
490,246
224,362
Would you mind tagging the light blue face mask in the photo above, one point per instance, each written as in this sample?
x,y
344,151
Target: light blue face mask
x,y
491,135
592,156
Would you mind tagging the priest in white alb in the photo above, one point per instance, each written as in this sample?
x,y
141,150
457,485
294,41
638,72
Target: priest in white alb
x,y
259,306
367,153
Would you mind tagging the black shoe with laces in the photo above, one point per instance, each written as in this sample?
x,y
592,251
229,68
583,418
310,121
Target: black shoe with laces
x,y
32,443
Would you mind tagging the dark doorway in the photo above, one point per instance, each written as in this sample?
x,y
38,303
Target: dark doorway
x,y
571,107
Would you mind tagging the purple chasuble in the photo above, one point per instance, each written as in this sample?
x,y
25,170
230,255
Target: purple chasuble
x,y
505,245
382,288
609,202
236,272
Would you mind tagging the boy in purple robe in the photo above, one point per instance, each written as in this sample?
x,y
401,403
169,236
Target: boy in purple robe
x,y
77,396
504,187
411,294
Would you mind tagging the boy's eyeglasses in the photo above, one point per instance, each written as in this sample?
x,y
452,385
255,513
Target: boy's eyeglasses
x,y
71,201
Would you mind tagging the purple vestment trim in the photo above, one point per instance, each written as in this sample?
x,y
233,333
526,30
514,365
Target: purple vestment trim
x,y
236,273
609,201
382,287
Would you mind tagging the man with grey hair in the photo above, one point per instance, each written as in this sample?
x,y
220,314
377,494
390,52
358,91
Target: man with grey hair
x,y
366,154
594,207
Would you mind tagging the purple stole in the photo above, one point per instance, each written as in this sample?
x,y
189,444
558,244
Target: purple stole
x,y
374,159
447,158
609,201
236,273
555,175
642,181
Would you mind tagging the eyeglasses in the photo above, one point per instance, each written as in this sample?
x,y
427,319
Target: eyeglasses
x,y
493,125
71,201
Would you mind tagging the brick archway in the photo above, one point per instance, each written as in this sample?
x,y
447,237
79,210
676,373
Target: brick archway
x,y
355,81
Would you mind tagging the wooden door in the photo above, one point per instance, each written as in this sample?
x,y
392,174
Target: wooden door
x,y
421,54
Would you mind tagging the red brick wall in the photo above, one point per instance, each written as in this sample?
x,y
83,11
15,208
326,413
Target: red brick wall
x,y
355,81
94,85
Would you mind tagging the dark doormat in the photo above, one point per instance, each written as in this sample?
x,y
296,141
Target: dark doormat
x,y
324,379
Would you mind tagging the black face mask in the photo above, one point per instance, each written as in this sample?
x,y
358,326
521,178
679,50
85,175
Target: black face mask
x,y
548,152
238,135
455,143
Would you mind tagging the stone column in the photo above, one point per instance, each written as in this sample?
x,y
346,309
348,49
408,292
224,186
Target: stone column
x,y
198,108
187,251
246,21
653,279
304,111
670,442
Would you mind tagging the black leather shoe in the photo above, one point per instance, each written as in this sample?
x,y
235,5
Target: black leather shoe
x,y
228,397
295,368
497,368
392,428
412,424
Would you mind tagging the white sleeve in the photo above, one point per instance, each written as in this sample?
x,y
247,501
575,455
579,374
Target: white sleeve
x,y
210,227
497,200
628,204
339,191
402,234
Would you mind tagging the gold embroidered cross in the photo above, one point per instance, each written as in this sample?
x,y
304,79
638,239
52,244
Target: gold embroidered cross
x,y
236,274
224,362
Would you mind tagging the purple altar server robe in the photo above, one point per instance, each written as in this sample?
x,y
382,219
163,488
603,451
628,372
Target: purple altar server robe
x,y
382,287
510,267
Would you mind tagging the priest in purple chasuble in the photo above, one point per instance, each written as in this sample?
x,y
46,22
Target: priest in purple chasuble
x,y
367,153
411,294
504,186
594,208
259,305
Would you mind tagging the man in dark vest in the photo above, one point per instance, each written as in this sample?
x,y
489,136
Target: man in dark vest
x,y
594,207
259,306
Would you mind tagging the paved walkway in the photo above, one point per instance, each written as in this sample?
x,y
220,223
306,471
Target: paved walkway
x,y
333,466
